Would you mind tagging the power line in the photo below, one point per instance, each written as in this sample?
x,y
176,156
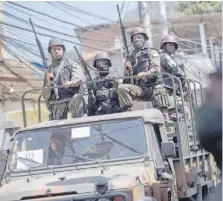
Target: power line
x,y
25,13
50,36
14,39
35,17
23,47
66,22
15,33
47,29
183,39
84,12
76,17
68,8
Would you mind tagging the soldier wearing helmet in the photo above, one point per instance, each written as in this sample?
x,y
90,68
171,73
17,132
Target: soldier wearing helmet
x,y
63,72
104,99
172,63
143,62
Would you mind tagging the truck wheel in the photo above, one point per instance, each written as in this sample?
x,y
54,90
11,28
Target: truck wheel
x,y
3,162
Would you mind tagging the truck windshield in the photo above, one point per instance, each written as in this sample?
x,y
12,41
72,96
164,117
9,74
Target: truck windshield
x,y
112,140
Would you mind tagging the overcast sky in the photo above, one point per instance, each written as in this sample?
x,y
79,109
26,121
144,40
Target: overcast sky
x,y
107,9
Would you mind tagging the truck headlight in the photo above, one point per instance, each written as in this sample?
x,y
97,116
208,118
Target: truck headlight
x,y
101,187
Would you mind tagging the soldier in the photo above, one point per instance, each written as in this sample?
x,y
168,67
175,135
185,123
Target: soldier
x,y
173,65
105,93
63,72
143,62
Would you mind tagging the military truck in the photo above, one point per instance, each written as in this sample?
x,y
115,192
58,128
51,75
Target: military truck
x,y
126,156
7,129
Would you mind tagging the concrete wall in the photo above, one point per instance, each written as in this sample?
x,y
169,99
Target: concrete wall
x,y
8,107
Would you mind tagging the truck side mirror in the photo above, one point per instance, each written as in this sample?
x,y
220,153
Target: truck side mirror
x,y
168,149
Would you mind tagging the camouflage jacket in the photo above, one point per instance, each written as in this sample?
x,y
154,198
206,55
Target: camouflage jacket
x,y
71,71
105,94
145,60
173,65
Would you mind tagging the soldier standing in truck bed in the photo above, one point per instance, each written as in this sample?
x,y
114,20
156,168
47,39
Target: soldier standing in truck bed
x,y
104,99
172,65
144,61
63,72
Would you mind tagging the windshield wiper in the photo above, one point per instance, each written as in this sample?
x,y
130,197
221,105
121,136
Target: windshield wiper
x,y
118,142
88,159
37,163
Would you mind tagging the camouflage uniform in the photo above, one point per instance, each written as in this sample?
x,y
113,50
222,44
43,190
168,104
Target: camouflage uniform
x,y
60,101
145,60
104,99
173,65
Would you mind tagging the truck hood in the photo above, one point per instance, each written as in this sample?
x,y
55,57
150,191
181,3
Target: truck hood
x,y
82,181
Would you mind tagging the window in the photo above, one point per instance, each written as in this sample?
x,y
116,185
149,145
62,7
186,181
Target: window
x,y
72,145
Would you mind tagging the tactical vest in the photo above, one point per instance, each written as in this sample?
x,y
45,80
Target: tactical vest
x,y
180,64
140,62
106,97
64,75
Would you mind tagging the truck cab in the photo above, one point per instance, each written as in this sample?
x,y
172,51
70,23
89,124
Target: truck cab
x,y
128,156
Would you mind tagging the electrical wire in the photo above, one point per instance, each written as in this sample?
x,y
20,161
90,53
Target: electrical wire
x,y
59,7
64,10
50,36
14,39
183,39
33,16
54,18
45,28
71,14
20,11
23,48
68,6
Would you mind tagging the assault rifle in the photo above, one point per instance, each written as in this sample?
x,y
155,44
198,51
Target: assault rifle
x,y
125,47
92,86
44,59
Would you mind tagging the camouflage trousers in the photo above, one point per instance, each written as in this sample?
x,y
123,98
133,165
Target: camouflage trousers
x,y
59,109
180,106
157,95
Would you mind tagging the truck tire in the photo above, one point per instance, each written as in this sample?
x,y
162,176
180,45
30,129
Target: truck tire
x,y
3,162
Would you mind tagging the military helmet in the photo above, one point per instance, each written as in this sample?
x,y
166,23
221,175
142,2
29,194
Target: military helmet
x,y
102,55
138,30
54,42
168,39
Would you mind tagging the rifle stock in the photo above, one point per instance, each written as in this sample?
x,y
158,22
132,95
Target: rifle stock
x,y
125,47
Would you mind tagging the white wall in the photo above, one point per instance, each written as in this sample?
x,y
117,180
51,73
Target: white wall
x,y
12,107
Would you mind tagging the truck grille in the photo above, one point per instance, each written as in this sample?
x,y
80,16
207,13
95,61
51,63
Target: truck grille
x,y
73,196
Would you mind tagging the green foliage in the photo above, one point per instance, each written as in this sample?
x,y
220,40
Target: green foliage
x,y
199,7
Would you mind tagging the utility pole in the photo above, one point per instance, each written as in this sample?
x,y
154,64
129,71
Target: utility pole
x,y
163,18
211,47
145,20
217,56
2,50
203,38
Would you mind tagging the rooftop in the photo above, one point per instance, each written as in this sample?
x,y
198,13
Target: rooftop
x,y
16,78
